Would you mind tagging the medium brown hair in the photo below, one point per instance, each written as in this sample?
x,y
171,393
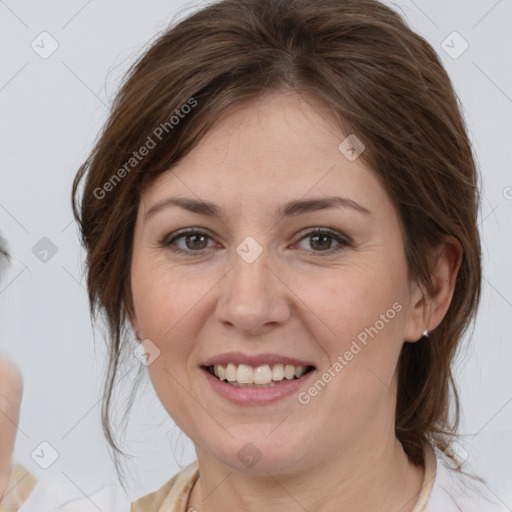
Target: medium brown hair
x,y
382,81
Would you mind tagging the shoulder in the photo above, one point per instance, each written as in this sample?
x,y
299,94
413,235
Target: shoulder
x,y
26,494
154,500
459,491
172,496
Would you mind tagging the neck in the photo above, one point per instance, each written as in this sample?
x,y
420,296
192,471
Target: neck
x,y
359,478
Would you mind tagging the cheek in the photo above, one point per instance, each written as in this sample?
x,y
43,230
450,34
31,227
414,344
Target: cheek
x,y
160,298
164,311
359,314
169,310
346,302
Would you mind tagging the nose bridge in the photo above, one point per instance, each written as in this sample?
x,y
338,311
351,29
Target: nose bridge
x,y
252,296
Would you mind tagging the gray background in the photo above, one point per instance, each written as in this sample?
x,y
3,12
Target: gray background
x,y
51,111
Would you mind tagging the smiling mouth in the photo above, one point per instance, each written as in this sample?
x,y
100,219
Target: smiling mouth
x,y
264,376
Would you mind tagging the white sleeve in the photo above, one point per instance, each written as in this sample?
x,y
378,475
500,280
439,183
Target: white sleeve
x,y
58,494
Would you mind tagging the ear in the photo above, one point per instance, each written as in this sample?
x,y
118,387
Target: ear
x,y
426,311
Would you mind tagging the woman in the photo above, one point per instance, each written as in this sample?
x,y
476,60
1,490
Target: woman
x,y
270,213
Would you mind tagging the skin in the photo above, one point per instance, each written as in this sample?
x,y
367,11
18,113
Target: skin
x,y
327,454
324,455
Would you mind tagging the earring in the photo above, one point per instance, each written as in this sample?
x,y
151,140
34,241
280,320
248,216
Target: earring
x,y
425,333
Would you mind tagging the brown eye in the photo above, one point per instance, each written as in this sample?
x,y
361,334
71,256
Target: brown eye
x,y
191,241
321,241
195,241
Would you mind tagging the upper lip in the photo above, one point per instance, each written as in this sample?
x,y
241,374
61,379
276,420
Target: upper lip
x,y
254,360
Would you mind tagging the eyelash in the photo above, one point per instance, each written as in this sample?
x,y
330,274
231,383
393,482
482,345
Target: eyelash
x,y
167,241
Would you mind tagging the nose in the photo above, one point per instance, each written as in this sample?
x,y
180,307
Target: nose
x,y
254,297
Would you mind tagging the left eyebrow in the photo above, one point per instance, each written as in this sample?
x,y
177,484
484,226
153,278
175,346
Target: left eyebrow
x,y
301,206
290,209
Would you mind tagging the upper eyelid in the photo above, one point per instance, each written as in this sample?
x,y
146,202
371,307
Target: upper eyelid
x,y
329,231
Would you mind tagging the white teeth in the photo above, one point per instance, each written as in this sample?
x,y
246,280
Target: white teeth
x,y
278,372
244,375
238,385
299,371
262,374
230,372
289,371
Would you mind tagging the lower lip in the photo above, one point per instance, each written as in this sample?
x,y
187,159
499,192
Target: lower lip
x,y
256,396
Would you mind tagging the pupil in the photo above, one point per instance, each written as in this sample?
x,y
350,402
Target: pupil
x,y
325,237
195,236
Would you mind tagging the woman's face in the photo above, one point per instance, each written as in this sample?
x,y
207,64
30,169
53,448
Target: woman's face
x,y
257,286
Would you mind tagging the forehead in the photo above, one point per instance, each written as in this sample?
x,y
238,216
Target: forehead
x,y
275,149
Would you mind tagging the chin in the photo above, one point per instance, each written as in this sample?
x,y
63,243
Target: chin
x,y
245,453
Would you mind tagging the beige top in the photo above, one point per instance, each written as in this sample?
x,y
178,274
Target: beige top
x,y
175,494
21,484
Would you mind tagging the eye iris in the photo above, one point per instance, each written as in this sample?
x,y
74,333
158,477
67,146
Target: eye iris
x,y
325,237
195,236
